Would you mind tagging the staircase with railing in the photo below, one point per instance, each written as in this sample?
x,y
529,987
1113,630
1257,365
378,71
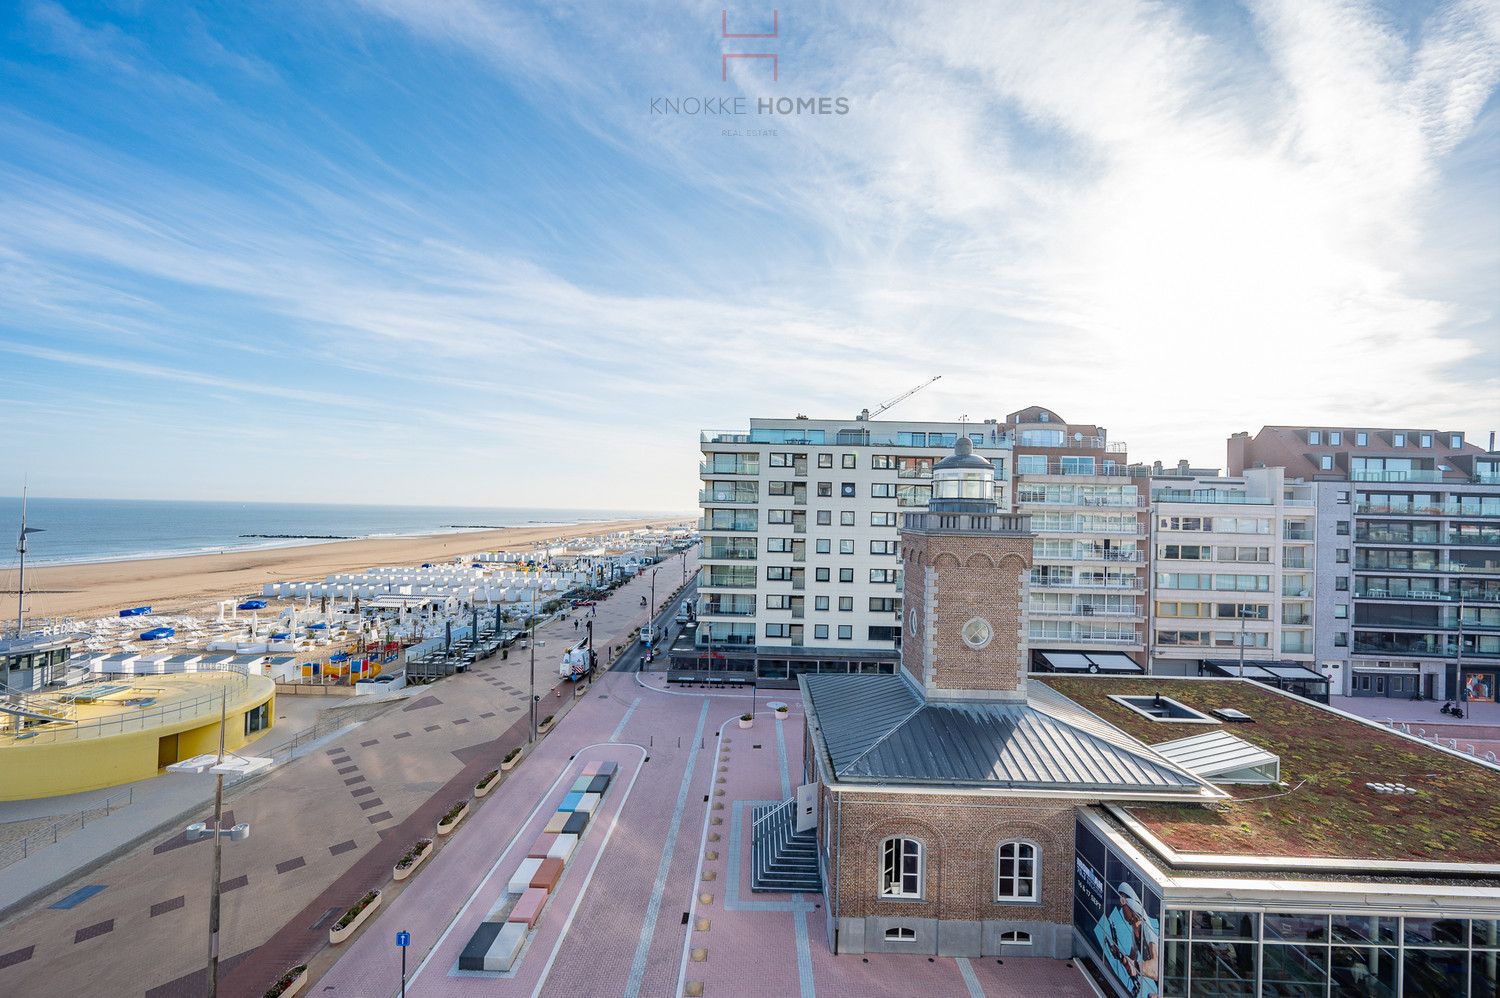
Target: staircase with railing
x,y
783,859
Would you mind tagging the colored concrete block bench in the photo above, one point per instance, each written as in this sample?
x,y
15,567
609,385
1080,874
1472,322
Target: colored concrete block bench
x,y
598,784
588,804
581,785
522,877
529,908
576,822
592,768
493,947
607,769
556,822
563,846
570,801
547,874
541,848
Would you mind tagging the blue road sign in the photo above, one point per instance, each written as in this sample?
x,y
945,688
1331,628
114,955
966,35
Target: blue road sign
x,y
403,939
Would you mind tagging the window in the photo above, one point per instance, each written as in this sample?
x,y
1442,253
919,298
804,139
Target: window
x,y
846,603
1160,708
1031,464
846,575
825,490
1341,611
778,573
846,490
1341,528
778,602
1341,556
1016,876
820,602
821,545
1341,639
1426,440
1361,438
778,516
1343,496
878,490
1015,937
776,630
1335,438
1398,439
883,575
820,631
1455,441
825,460
900,934
257,719
846,518
883,547
1314,437
781,545
883,462
1341,585
846,632
825,517
846,547
1325,462
848,460
884,604
820,575
882,519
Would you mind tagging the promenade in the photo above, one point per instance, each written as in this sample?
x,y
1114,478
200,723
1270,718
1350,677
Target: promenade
x,y
324,828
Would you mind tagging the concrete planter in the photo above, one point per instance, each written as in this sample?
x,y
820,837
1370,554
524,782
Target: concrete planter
x,y
510,764
545,726
446,828
580,690
293,987
484,788
747,724
401,873
337,935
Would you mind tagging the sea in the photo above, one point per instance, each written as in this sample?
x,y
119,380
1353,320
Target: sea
x,y
89,530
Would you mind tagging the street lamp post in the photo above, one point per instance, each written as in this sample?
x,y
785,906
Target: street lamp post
x,y
532,642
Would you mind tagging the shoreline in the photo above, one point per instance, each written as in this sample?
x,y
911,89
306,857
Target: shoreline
x,y
197,582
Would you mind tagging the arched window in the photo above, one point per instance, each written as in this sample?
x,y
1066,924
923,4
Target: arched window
x,y
1015,937
1018,872
901,868
900,934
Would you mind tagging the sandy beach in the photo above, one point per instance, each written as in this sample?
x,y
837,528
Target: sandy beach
x,y
198,581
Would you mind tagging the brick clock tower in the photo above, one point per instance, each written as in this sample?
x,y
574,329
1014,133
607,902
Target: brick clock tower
x,y
967,566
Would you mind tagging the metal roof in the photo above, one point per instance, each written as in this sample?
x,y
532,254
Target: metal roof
x,y
1219,754
879,729
1265,670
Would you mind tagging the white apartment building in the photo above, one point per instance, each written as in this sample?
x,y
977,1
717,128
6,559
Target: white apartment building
x,y
1233,562
801,567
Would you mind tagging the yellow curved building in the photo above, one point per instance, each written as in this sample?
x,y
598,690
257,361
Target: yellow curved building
x,y
110,732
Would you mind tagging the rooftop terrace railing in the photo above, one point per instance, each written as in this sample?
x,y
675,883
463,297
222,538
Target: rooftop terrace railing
x,y
56,732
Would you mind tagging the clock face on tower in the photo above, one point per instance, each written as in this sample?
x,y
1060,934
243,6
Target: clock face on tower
x,y
977,633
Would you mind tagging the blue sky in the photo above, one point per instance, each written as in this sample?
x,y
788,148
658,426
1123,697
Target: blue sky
x,y
415,251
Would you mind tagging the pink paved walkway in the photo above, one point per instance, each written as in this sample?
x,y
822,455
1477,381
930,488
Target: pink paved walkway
x,y
590,938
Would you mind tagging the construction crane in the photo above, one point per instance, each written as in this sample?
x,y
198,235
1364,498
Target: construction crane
x,y
866,414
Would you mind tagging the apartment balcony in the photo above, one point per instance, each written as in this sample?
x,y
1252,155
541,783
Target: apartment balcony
x,y
1085,637
1481,539
1427,596
726,582
1112,556
1121,530
726,641
708,526
1413,475
1084,610
1437,568
1425,649
726,470
1082,502
1299,564
1108,469
1463,511
715,497
1132,585
726,554
710,611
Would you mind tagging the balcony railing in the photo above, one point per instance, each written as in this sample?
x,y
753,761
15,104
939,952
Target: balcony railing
x,y
1085,637
727,554
711,527
1124,529
726,583
1461,510
1085,610
1464,596
1083,502
1412,475
1214,498
1129,557
1436,568
716,470
1130,585
708,497
1106,470
709,610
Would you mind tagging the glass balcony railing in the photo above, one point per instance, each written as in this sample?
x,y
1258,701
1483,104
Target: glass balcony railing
x,y
1427,595
1406,475
721,497
1121,585
1464,510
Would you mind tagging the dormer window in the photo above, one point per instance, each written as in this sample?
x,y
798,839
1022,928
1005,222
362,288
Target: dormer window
x,y
1398,439
1426,440
1314,437
1361,438
1335,438
1455,441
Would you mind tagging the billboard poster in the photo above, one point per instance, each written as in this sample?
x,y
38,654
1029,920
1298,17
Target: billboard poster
x,y
1118,914
1479,686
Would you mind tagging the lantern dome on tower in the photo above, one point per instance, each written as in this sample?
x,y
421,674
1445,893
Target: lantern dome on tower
x,y
963,481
